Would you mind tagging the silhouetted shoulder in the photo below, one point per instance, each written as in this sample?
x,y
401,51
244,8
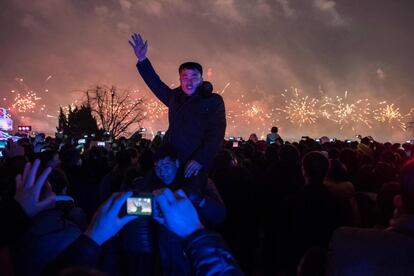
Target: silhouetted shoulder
x,y
214,98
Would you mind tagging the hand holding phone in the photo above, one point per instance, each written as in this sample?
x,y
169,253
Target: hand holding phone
x,y
106,221
180,216
3,144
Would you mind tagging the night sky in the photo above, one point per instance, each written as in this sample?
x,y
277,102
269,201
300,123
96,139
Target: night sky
x,y
260,47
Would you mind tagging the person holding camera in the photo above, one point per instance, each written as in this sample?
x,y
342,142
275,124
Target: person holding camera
x,y
205,249
168,173
197,119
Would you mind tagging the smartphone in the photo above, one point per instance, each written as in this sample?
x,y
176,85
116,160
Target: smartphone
x,y
235,144
100,144
3,144
139,206
81,141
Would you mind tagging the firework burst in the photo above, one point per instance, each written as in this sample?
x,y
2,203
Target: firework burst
x,y
345,112
26,103
243,113
300,110
388,113
155,110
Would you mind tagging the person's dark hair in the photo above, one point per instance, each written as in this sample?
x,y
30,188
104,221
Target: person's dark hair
x,y
274,130
388,157
48,140
366,141
145,160
223,160
407,187
163,152
337,171
97,153
69,157
133,152
349,158
144,143
272,153
333,153
123,158
289,154
385,201
383,173
249,149
315,165
156,142
191,66
46,156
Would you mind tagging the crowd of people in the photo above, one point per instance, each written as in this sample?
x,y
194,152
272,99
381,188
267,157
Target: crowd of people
x,y
311,207
212,206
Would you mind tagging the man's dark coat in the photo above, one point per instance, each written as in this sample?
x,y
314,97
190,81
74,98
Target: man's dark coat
x,y
197,123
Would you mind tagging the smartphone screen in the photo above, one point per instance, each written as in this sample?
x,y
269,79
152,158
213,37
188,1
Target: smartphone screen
x,y
3,144
139,206
100,144
235,144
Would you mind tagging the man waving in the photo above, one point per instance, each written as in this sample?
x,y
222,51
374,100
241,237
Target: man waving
x,y
197,119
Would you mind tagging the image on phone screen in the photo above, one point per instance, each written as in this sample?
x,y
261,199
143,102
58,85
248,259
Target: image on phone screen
x,y
139,206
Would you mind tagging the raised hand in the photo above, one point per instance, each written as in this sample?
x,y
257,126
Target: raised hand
x,y
140,47
192,168
179,214
28,190
106,221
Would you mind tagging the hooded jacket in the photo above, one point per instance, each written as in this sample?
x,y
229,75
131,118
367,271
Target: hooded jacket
x,y
197,123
